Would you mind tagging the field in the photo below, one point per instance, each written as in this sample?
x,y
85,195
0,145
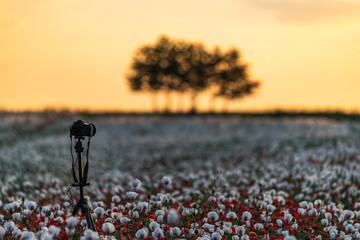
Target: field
x,y
182,177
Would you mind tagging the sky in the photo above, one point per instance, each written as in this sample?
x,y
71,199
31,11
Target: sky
x,y
76,53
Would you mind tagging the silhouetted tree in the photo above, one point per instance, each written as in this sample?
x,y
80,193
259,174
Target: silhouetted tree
x,y
187,67
232,78
199,71
152,70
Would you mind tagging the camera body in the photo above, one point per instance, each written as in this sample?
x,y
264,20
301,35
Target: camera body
x,y
80,128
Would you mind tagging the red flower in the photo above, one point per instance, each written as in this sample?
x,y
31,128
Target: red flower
x,y
64,235
252,235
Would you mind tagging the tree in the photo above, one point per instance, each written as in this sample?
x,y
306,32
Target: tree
x,y
232,78
151,69
186,67
198,72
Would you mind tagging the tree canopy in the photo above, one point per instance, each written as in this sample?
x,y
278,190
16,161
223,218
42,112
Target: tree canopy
x,y
188,67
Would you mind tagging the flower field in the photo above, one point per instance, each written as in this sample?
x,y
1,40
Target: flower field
x,y
184,177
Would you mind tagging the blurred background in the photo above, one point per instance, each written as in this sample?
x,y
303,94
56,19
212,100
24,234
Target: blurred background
x,y
78,54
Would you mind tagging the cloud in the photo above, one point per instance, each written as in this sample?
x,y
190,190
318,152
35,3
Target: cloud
x,y
307,10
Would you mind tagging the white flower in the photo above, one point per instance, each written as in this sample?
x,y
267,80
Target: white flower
x,y
350,228
324,222
137,183
258,226
213,216
54,230
328,216
115,199
279,222
159,212
312,212
209,227
16,204
2,232
246,216
173,217
285,233
83,223
26,235
108,228
9,226
153,225
349,214
164,199
175,231
142,233
59,219
166,180
49,236
289,238
124,220
16,217
118,189
301,211
270,208
91,235
245,237
31,205
231,215
304,204
8,207
16,232
136,214
142,206
99,211
158,233
160,218
70,231
235,237
56,207
215,236
331,206
132,195
26,212
71,222
288,218
240,230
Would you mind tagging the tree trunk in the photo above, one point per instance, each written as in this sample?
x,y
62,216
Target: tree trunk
x,y
212,99
225,106
167,101
154,102
180,103
193,102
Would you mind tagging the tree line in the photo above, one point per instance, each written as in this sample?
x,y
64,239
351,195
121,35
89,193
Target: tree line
x,y
179,66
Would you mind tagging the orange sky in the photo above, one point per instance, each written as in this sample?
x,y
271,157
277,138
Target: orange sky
x,y
75,53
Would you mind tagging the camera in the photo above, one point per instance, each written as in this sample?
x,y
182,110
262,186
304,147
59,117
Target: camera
x,y
80,128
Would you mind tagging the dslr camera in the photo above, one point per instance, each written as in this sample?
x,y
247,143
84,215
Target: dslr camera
x,y
80,128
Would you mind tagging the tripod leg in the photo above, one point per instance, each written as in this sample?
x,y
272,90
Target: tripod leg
x,y
91,220
86,211
76,208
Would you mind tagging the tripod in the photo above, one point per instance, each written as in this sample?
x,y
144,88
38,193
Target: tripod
x,y
82,203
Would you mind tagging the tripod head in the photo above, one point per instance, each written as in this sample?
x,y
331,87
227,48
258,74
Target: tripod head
x,y
80,129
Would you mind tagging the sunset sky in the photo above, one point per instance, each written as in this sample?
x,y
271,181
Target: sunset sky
x,y
76,53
